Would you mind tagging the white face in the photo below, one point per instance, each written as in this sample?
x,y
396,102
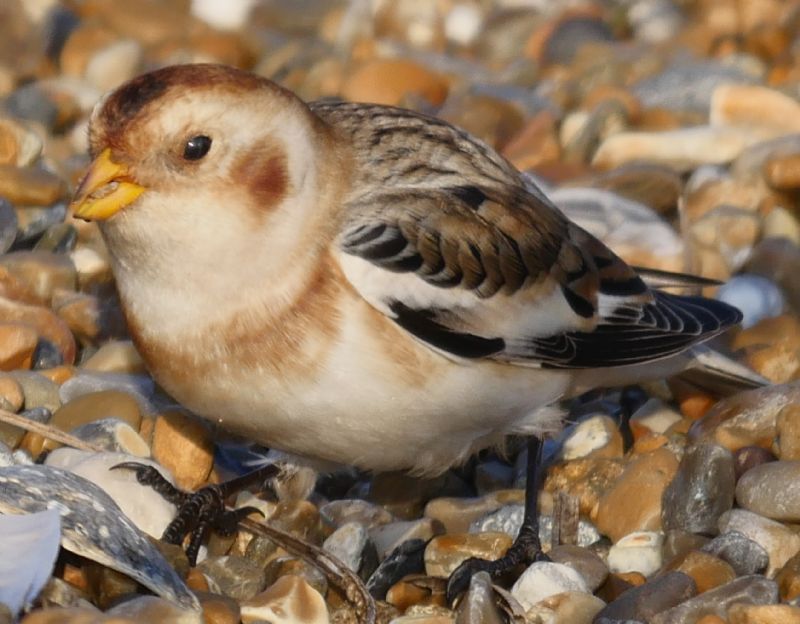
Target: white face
x,y
229,178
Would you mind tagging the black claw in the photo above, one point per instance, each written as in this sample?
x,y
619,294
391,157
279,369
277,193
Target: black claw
x,y
202,511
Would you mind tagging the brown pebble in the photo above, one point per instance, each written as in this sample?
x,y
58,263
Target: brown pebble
x,y
17,344
784,328
291,599
536,143
712,619
445,553
95,406
388,81
707,570
634,502
11,393
777,362
217,609
183,445
749,457
44,321
763,614
783,172
30,186
417,589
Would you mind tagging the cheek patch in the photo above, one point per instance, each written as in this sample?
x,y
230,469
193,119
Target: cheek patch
x,y
263,173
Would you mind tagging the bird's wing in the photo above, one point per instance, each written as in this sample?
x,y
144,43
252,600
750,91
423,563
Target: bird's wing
x,y
493,271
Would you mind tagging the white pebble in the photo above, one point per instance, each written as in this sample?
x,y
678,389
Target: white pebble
x,y
223,14
543,579
757,297
587,436
636,552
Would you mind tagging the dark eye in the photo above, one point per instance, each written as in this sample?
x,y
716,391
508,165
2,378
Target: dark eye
x,y
196,147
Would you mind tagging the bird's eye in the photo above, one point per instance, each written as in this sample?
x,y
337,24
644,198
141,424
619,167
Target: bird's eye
x,y
196,147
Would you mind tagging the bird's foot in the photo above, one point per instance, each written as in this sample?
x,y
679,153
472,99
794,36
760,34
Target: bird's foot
x,y
525,550
201,511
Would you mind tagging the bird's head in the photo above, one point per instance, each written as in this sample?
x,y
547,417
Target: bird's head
x,y
188,143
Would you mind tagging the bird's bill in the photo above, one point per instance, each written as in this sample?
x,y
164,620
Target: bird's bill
x,y
105,190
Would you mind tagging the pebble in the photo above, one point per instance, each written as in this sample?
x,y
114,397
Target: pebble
x,y
570,607
347,543
587,563
11,394
112,434
636,552
456,514
743,590
343,511
8,225
763,614
544,579
446,552
788,579
478,603
707,570
235,577
154,609
119,356
769,490
390,536
17,345
642,603
389,81
778,541
634,502
757,297
183,445
290,599
701,491
45,322
742,553
789,432
19,145
597,436
38,390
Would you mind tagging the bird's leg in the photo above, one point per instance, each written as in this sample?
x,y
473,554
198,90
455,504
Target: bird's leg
x,y
203,510
526,548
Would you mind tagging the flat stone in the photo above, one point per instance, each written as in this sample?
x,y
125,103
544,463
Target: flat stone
x,y
38,390
446,552
11,394
634,502
769,490
778,541
745,589
118,356
642,603
417,590
456,514
347,543
544,579
388,81
597,436
183,444
745,556
701,491
290,599
754,105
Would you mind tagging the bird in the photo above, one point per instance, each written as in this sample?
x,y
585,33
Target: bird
x,y
358,283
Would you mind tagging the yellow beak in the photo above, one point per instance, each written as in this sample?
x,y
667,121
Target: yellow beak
x,y
105,190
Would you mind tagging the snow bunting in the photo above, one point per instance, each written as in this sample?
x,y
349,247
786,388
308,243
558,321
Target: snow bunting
x,y
357,283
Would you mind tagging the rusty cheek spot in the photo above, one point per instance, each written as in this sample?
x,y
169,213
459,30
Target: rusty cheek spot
x,y
263,173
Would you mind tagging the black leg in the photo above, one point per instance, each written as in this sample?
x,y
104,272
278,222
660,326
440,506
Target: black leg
x,y
526,548
201,511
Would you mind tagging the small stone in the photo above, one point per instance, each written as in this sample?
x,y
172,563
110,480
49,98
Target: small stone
x,y
233,576
753,106
388,81
17,345
543,579
478,603
747,418
11,395
90,318
347,543
8,225
45,322
570,607
643,602
19,146
636,552
292,566
112,434
789,432
388,537
654,416
30,186
119,356
682,149
300,518
417,590
290,599
778,363
217,609
92,266
701,491
33,222
707,570
763,614
446,552
597,436
12,436
42,271
784,327
152,609
343,511
769,490
456,514
745,589
780,223
489,118
588,480
757,297
38,390
778,541
408,558
634,502
745,556
590,566
111,66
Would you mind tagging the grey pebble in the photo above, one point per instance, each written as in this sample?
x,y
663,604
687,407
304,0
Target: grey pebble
x,y
745,556
8,225
234,576
642,603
